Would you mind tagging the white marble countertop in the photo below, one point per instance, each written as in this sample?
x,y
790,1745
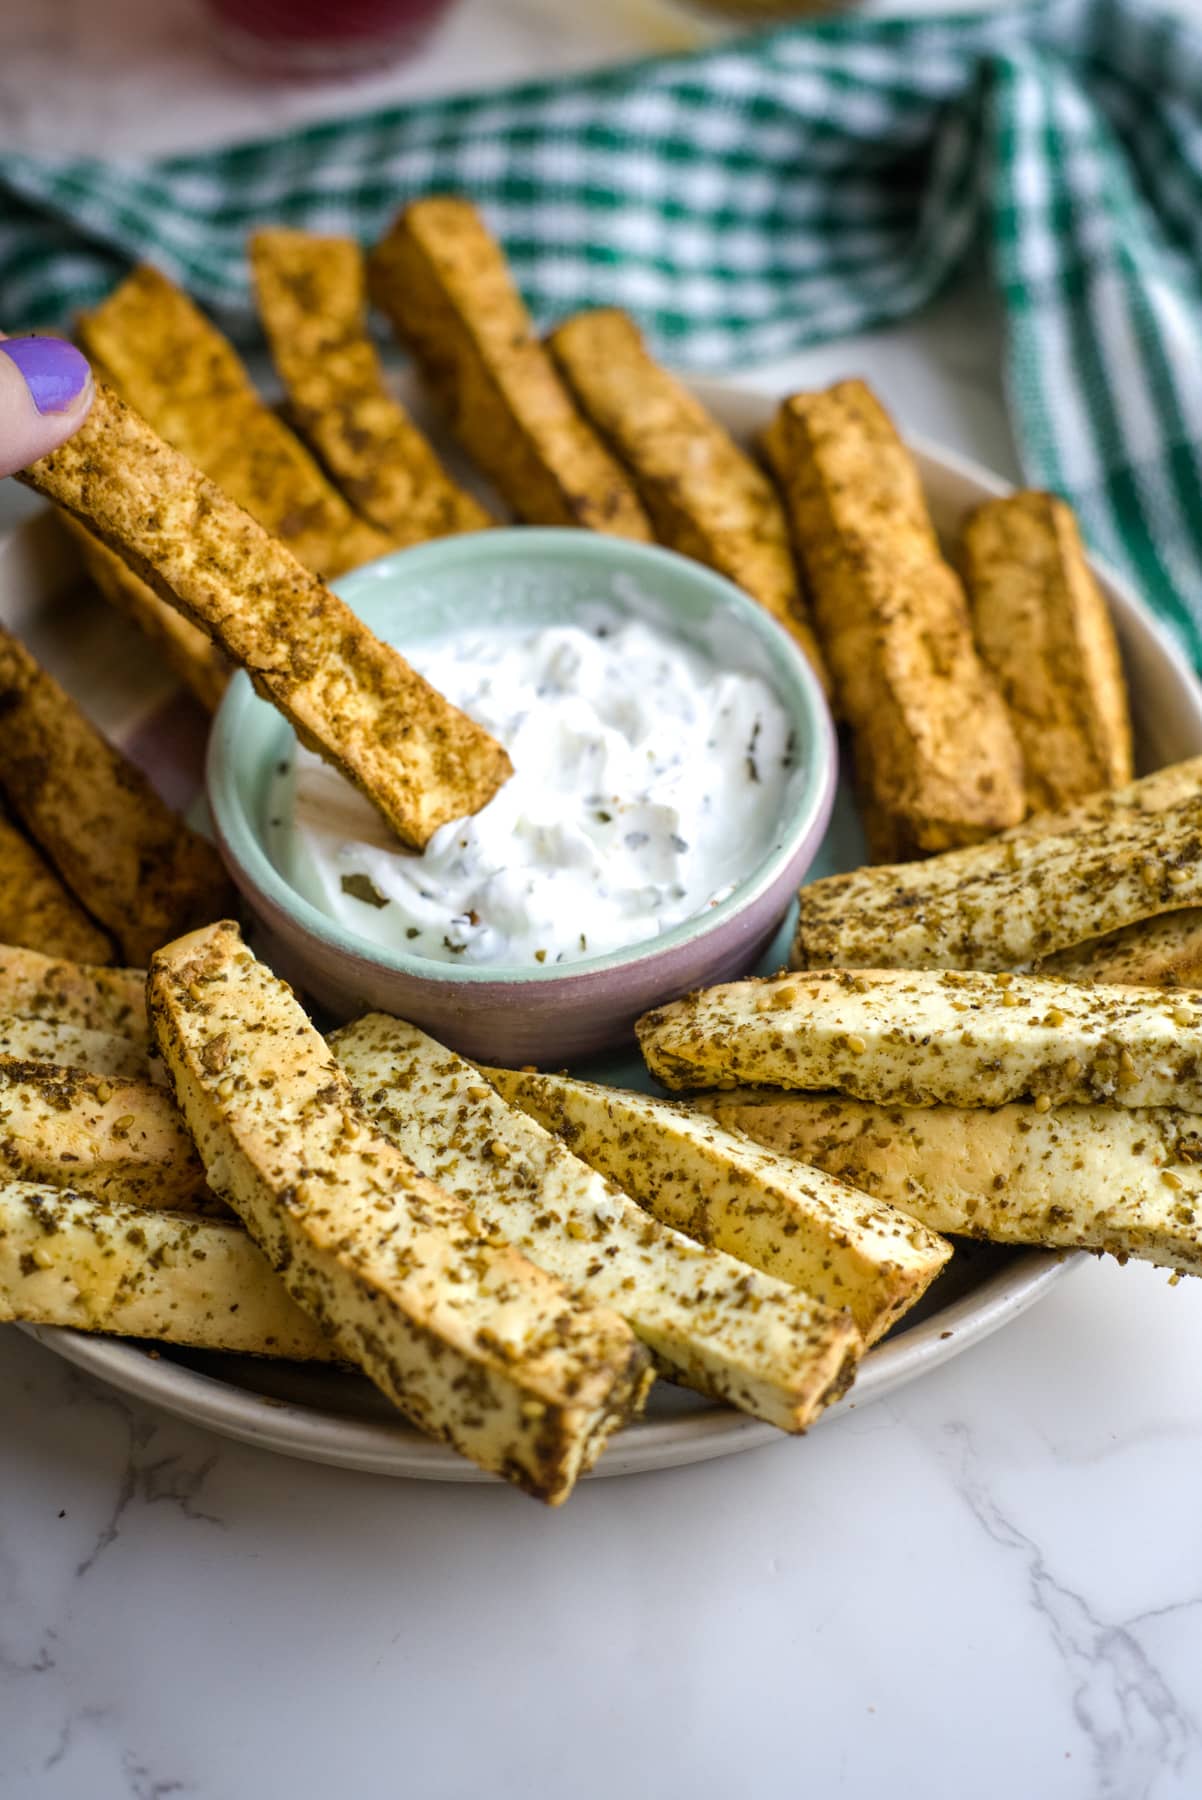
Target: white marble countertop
x,y
987,1585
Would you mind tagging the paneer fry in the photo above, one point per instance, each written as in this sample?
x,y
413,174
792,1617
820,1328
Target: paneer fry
x,y
46,1042
312,297
74,994
1008,903
930,1037
1161,792
113,1137
443,282
36,908
934,747
705,497
350,697
186,649
1162,952
125,855
770,446
1104,1178
1042,627
473,1342
796,1224
710,1321
172,365
100,1265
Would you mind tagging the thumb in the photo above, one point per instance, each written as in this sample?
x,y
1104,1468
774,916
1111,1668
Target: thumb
x,y
45,392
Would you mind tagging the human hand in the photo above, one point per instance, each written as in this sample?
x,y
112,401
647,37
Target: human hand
x,y
45,391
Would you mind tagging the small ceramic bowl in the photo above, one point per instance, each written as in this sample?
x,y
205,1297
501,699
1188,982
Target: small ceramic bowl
x,y
544,1015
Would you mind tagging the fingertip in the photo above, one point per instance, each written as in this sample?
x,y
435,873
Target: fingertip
x,y
57,375
46,389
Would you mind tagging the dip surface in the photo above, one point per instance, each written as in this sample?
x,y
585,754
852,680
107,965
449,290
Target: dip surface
x,y
648,782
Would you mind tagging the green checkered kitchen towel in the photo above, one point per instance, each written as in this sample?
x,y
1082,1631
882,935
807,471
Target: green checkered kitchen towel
x,y
783,188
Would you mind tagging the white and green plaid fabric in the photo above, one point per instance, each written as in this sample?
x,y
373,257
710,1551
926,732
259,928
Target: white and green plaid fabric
x,y
797,185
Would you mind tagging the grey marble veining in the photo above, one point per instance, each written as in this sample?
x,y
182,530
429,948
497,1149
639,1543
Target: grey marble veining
x,y
926,1586
1136,1727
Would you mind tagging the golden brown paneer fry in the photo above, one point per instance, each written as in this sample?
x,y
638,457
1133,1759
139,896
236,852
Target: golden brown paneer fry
x,y
1104,1178
769,445
352,698
444,284
137,868
705,497
473,1342
37,910
186,649
114,1137
930,1037
1160,952
312,296
1161,792
1042,627
797,1225
65,992
768,448
1009,903
709,1320
49,1044
172,365
101,1265
934,746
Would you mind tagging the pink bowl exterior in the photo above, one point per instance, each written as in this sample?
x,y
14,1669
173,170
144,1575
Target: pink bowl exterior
x,y
550,1021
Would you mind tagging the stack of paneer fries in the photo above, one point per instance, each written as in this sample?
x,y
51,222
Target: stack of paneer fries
x,y
378,1201
972,695
1002,1040
994,1030
93,865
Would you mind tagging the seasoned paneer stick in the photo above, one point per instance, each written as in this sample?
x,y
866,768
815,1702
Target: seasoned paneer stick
x,y
124,854
114,1137
705,497
172,365
710,1321
769,445
45,1042
1009,903
37,910
1158,792
74,994
312,296
933,743
101,1265
351,697
1162,952
186,649
1042,627
473,1342
1107,1178
796,1224
444,284
934,1037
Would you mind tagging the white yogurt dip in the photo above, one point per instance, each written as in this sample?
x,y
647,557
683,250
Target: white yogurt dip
x,y
647,782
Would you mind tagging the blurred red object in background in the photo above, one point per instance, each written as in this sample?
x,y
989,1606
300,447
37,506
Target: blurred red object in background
x,y
321,37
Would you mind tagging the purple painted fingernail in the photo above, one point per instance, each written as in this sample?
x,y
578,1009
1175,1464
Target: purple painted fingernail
x,y
55,372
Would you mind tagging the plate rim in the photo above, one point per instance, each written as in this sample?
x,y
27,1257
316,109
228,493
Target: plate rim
x,y
381,1447
313,1434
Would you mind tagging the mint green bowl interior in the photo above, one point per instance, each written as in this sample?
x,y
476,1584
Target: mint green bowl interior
x,y
535,576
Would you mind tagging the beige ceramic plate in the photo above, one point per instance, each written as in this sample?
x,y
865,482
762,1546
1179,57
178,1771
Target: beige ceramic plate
x,y
334,1418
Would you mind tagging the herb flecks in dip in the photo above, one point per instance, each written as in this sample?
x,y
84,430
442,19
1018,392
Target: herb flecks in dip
x,y
648,782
